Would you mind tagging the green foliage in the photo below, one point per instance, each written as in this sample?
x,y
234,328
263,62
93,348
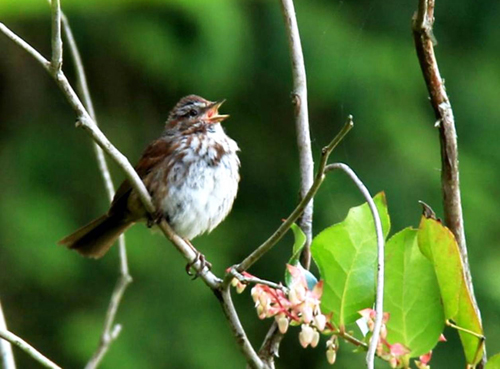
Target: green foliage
x,y
493,362
298,245
438,244
411,295
346,255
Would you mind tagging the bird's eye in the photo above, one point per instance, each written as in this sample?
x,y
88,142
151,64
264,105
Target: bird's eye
x,y
192,113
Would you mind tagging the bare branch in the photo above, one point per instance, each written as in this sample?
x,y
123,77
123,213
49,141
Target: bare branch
x,y
254,280
299,100
423,21
87,101
24,45
224,296
57,50
379,302
111,330
6,355
27,348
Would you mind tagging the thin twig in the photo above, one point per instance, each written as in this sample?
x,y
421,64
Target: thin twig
x,y
424,40
300,102
27,348
57,48
285,226
87,101
24,45
458,328
224,296
110,331
254,280
379,301
351,339
6,354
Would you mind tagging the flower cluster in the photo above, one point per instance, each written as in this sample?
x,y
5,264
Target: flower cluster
x,y
297,305
391,353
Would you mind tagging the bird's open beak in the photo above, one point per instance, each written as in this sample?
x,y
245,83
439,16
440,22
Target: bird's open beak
x,y
212,112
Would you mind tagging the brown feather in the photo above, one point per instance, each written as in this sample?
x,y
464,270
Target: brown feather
x,y
94,239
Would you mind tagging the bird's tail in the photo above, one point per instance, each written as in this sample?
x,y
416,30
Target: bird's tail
x,y
96,238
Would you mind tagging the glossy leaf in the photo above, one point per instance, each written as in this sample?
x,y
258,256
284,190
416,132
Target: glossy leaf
x,y
438,244
346,255
411,295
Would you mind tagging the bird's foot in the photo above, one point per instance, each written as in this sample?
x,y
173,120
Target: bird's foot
x,y
203,263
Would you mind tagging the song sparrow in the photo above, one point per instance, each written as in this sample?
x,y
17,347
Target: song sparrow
x,y
191,173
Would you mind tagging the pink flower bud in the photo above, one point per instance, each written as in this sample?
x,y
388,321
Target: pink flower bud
x,y
320,322
263,299
315,339
255,293
260,312
240,287
292,296
421,365
426,358
282,321
331,355
306,335
307,313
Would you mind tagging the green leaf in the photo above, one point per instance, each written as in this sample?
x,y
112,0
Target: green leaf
x,y
411,295
298,245
300,241
346,255
438,244
493,362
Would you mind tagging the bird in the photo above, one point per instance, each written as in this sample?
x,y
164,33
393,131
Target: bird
x,y
191,173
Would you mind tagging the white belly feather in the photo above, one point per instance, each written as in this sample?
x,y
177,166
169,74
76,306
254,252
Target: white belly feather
x,y
201,198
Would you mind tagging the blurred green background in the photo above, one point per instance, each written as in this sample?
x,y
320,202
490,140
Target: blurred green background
x,y
141,57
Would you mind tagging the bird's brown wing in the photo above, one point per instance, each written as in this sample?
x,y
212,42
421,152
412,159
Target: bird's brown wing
x,y
151,157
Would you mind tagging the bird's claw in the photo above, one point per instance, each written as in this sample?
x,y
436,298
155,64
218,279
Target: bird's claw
x,y
203,263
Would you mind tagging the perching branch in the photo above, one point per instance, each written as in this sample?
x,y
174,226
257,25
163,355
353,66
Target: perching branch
x,y
379,301
110,331
6,355
423,21
27,348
